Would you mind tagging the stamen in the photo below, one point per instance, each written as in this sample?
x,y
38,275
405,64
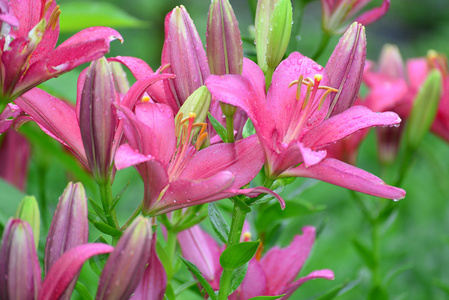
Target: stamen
x,y
178,124
162,68
259,251
437,61
46,7
329,90
54,18
306,98
145,99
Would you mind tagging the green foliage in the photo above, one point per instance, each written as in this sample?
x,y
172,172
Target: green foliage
x,y
197,273
237,255
219,224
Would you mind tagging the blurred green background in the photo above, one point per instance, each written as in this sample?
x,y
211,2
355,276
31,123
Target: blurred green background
x,y
415,248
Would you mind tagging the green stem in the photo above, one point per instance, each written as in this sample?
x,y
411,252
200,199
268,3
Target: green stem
x,y
106,201
405,166
325,38
133,216
238,218
230,128
170,247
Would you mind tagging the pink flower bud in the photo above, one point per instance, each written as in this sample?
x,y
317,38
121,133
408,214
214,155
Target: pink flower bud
x,y
223,41
98,118
20,273
126,264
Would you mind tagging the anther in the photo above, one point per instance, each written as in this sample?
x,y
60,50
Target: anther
x,y
145,99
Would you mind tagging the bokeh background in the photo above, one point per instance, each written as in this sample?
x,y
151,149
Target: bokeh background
x,y
415,240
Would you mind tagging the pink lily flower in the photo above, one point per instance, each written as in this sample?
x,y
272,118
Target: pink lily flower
x,y
337,13
177,174
270,275
62,122
30,58
293,124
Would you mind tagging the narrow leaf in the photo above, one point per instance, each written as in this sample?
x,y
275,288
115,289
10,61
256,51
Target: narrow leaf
x,y
220,129
339,290
98,210
83,291
118,197
237,277
219,224
267,297
97,262
109,230
364,253
237,255
197,273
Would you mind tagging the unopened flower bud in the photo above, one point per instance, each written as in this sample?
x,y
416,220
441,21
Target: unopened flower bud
x,y
390,62
98,118
279,33
126,264
273,29
20,273
184,51
424,109
345,69
28,211
198,103
223,41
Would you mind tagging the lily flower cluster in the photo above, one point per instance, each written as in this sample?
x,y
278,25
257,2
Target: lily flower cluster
x,y
197,130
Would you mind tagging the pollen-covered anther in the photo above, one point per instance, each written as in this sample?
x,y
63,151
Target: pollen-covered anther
x,y
54,18
437,61
162,68
145,99
46,7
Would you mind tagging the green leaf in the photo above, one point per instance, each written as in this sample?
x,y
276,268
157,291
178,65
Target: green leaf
x,y
220,129
79,15
219,224
117,197
248,129
169,292
241,203
9,198
83,291
165,260
98,210
365,253
109,230
197,273
237,277
185,286
267,297
97,262
237,255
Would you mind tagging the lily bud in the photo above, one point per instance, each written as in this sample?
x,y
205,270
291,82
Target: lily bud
x,y
126,264
184,51
69,226
197,103
98,118
273,29
345,69
28,211
19,266
390,62
279,33
154,280
264,10
223,41
424,109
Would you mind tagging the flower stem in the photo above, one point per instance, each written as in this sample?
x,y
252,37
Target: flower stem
x,y
170,249
230,128
238,218
325,38
376,253
106,201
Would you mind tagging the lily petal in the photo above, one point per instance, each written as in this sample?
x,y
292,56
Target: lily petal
x,y
8,115
339,173
292,258
346,123
326,274
126,156
374,14
254,284
55,117
67,266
